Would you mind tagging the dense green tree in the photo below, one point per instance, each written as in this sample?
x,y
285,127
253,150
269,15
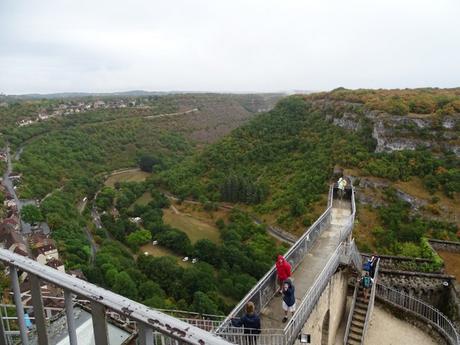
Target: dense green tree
x,y
105,198
203,304
146,163
125,286
176,240
31,214
207,251
138,238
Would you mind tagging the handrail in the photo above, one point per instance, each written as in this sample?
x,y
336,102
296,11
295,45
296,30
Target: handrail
x,y
199,320
301,315
355,255
350,314
100,298
420,309
268,281
370,307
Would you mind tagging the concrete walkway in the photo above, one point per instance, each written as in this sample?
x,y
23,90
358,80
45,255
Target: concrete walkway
x,y
312,265
386,329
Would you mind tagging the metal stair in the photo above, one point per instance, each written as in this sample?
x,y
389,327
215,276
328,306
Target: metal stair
x,y
360,312
361,306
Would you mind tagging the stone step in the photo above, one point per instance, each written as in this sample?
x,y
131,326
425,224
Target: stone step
x,y
354,336
357,323
359,317
351,341
357,330
360,305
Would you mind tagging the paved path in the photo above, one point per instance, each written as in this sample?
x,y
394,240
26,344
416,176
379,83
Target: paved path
x,y
387,329
312,265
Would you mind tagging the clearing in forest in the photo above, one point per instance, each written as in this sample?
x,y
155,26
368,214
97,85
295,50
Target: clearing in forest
x,y
132,175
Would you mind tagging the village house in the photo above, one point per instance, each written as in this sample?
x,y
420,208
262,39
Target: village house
x,y
43,248
13,222
13,241
99,104
56,264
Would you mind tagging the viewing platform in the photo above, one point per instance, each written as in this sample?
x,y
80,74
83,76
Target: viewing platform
x,y
312,264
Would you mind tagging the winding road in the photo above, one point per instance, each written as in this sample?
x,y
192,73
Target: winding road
x,y
8,183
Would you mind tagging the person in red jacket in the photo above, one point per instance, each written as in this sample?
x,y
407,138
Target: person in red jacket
x,y
283,268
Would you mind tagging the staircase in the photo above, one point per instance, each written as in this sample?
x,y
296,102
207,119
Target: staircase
x,y
358,320
360,312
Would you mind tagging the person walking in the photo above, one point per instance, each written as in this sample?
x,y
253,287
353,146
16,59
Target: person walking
x,y
373,262
366,282
288,298
283,270
341,184
367,266
251,323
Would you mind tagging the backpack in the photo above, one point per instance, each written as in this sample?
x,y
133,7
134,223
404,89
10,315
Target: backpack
x,y
366,281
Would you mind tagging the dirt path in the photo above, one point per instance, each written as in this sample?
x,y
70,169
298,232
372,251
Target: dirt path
x,y
386,329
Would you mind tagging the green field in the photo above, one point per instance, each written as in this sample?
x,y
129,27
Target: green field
x,y
133,175
144,199
162,251
195,228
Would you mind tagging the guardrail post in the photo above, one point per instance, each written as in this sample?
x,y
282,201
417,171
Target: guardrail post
x,y
18,303
145,334
2,332
70,319
39,314
99,323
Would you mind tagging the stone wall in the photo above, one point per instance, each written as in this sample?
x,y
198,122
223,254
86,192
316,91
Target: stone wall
x,y
326,317
447,246
432,288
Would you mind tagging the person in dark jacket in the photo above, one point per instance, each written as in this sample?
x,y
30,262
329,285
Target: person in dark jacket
x,y
374,259
251,323
288,298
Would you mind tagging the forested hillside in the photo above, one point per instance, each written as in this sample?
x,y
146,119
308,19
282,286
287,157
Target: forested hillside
x,y
275,166
281,163
64,157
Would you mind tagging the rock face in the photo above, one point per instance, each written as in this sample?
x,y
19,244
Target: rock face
x,y
393,132
349,121
414,202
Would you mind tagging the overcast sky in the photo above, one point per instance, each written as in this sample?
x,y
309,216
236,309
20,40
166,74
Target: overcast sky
x,y
236,45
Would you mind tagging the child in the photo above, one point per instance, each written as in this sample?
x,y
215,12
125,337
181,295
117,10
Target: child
x,y
288,299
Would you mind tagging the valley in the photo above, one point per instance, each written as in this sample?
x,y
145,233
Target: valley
x,y
220,184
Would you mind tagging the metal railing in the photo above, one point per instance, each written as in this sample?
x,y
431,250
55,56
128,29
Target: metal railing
x,y
150,323
207,322
354,255
351,219
350,314
370,306
262,293
309,301
420,309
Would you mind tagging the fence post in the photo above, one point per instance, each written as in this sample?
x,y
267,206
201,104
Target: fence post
x,y
69,316
2,332
19,307
99,323
37,302
145,334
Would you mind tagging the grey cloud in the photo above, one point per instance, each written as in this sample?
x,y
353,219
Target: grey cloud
x,y
237,45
